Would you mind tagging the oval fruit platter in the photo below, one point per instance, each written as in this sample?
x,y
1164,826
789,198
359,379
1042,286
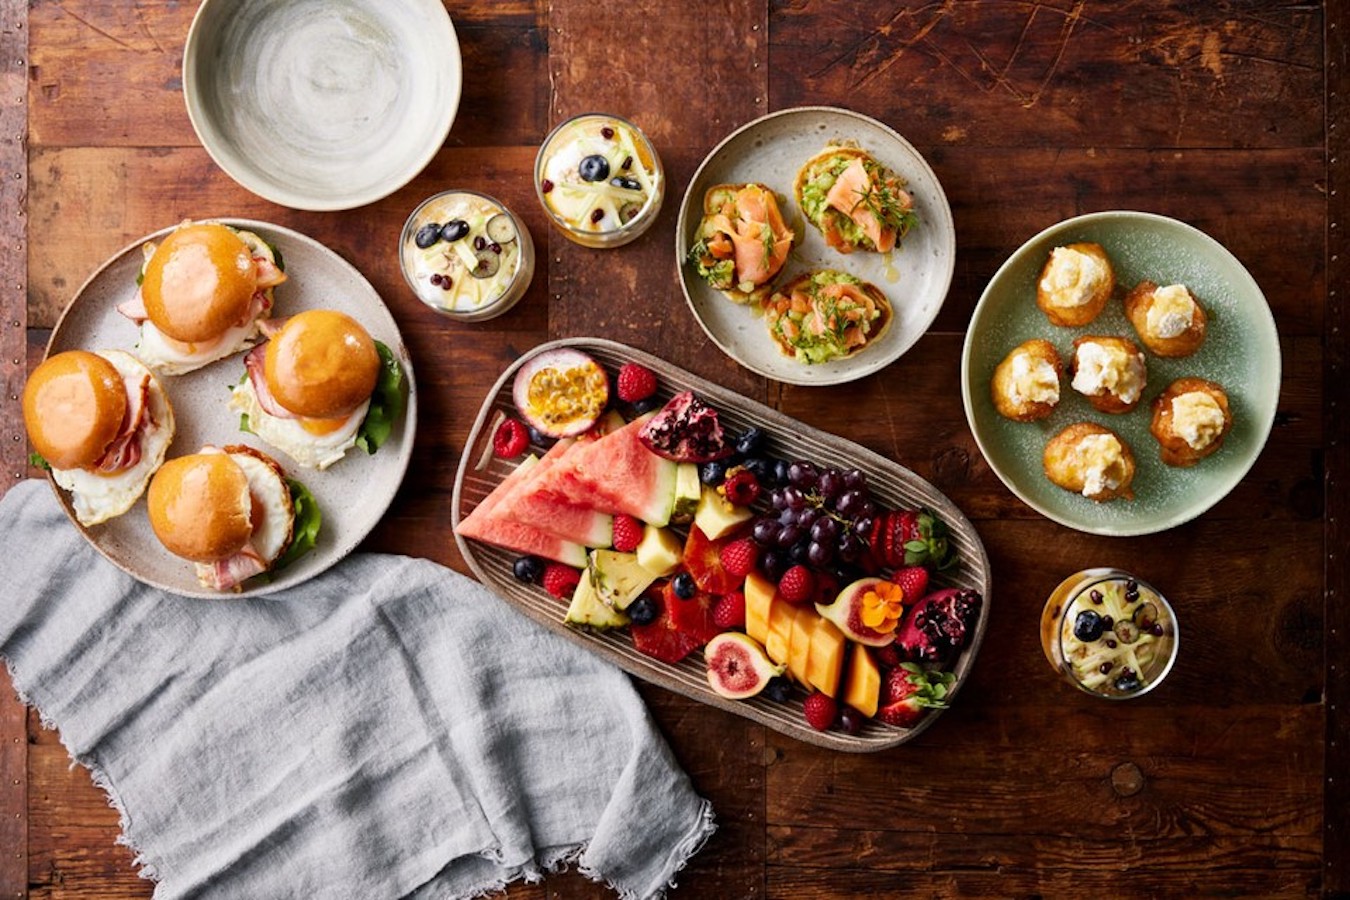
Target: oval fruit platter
x,y
805,644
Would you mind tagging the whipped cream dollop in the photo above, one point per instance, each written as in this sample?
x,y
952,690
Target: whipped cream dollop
x,y
1102,461
1073,277
1104,369
1197,418
1172,311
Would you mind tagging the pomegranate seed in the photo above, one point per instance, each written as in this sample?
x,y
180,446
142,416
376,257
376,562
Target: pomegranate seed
x,y
607,133
597,215
545,185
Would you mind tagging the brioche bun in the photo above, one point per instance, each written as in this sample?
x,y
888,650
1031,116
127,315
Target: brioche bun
x,y
73,406
199,282
321,365
200,508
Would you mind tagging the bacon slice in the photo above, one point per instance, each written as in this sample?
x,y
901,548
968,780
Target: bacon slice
x,y
268,273
253,362
134,309
229,573
125,449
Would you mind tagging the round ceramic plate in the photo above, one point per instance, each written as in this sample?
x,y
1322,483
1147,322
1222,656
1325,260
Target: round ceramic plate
x,y
1241,352
322,104
352,495
914,277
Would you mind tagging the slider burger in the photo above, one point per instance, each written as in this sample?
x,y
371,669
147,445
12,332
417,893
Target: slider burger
x,y
202,292
319,386
100,421
232,512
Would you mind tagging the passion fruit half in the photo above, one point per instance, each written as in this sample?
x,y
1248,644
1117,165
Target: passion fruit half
x,y
561,393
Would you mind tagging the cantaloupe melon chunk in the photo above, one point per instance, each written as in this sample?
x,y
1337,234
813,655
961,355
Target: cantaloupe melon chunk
x,y
826,662
799,642
779,640
759,593
862,688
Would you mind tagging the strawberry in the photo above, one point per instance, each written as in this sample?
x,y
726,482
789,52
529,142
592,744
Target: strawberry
x,y
511,439
740,557
797,585
627,533
560,580
729,611
909,692
910,537
636,383
820,711
913,580
888,657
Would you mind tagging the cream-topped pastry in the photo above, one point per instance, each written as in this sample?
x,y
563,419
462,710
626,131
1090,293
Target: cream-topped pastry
x,y
1087,459
1168,319
1025,386
1075,284
1109,371
1190,420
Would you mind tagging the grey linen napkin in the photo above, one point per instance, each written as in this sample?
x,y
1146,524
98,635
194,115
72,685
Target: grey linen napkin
x,y
388,729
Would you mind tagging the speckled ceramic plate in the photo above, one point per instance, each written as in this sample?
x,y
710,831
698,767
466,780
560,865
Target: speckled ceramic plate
x,y
891,484
353,494
322,104
914,277
1241,352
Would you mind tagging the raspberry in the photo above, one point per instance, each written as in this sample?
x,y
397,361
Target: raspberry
x,y
510,440
820,710
730,611
913,580
627,533
740,557
636,383
741,487
560,580
797,585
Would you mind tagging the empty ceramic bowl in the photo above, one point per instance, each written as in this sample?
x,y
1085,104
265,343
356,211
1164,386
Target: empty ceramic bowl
x,y
322,104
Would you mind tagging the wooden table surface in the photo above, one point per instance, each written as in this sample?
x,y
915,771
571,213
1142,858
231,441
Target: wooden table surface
x,y
1231,779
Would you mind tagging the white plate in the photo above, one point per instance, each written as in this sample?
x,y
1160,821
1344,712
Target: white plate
x,y
322,104
915,277
352,495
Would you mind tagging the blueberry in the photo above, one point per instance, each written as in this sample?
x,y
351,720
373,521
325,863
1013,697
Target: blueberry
x,y
538,438
1128,682
528,569
594,168
750,441
644,610
712,473
454,230
850,720
1088,626
427,235
684,586
628,184
646,405
761,467
779,689
780,472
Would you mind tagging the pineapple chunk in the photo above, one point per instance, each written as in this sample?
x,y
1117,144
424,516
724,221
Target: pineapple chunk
x,y
659,551
862,688
618,577
716,516
587,610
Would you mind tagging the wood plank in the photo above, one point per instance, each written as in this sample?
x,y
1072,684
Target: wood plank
x,y
1185,73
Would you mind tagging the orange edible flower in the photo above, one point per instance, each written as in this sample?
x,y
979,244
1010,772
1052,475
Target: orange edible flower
x,y
882,607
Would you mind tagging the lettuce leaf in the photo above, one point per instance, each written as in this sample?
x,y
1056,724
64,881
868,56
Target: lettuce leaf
x,y
386,403
305,529
35,459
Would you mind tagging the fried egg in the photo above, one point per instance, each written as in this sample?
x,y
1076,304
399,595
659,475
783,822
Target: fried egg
x,y
169,357
97,497
311,443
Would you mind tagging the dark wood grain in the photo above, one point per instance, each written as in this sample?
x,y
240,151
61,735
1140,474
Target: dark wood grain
x,y
1233,779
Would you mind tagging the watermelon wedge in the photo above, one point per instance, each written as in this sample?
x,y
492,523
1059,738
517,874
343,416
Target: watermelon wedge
x,y
569,521
488,524
614,474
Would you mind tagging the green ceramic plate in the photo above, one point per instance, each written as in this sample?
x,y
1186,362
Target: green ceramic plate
x,y
1241,352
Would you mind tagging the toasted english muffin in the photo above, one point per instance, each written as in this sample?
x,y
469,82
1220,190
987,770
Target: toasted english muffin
x,y
1190,421
1169,320
1087,459
1075,283
742,241
825,315
1025,386
854,201
1109,371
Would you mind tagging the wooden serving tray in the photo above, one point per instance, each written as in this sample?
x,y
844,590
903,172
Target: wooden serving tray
x,y
891,485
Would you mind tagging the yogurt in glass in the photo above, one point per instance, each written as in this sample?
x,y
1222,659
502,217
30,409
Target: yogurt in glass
x,y
599,179
466,255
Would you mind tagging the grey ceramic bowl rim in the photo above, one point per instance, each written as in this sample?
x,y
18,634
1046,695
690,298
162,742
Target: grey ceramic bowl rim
x,y
295,199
